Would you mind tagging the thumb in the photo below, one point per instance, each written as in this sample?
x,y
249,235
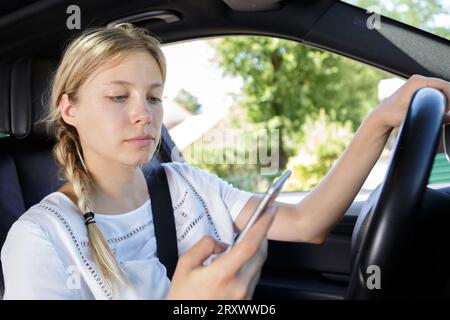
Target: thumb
x,y
199,252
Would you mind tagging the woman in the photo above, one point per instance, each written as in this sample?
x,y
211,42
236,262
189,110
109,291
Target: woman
x,y
107,90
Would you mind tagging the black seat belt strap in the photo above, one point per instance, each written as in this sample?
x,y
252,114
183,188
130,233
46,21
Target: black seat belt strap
x,y
163,219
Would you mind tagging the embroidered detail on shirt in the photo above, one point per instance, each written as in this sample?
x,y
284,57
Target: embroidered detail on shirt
x,y
189,227
182,201
183,214
85,243
88,266
133,232
211,222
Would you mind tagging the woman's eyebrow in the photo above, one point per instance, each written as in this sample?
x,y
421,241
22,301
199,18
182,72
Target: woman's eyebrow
x,y
123,82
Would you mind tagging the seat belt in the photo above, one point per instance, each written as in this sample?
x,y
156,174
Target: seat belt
x,y
163,219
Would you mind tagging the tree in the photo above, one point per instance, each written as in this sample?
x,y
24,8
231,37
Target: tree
x,y
324,142
285,81
188,100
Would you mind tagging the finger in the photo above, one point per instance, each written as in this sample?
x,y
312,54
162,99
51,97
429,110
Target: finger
x,y
249,274
250,244
254,265
436,83
252,286
195,256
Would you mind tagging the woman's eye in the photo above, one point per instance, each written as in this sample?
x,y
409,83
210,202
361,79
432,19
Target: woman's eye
x,y
118,98
154,100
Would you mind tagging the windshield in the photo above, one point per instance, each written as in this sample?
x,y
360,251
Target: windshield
x,y
432,15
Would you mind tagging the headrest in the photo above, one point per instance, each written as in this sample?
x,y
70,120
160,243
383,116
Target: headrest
x,y
5,119
30,80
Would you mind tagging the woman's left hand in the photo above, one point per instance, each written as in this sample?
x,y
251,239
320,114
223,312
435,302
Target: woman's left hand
x,y
392,110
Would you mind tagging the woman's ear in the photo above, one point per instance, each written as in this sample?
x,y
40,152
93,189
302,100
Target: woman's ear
x,y
67,109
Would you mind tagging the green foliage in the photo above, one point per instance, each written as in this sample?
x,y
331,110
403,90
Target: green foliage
x,y
284,82
236,160
188,100
324,142
287,83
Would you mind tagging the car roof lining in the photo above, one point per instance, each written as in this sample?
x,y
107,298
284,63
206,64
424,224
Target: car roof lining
x,y
410,50
328,24
253,5
14,6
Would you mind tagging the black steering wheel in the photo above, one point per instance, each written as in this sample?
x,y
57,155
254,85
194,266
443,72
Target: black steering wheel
x,y
383,240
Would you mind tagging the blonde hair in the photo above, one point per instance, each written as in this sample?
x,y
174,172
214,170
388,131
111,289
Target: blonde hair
x,y
83,55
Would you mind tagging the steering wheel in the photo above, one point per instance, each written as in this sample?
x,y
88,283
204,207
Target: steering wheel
x,y
383,241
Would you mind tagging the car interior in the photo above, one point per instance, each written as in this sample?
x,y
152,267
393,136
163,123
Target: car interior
x,y
33,34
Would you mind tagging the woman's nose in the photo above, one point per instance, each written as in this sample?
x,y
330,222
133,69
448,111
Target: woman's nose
x,y
142,111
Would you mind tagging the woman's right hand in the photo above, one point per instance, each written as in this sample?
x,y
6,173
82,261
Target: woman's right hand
x,y
231,276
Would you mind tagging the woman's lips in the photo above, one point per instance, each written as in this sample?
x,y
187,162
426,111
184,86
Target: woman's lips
x,y
140,142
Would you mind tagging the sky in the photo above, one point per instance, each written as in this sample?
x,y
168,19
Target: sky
x,y
189,67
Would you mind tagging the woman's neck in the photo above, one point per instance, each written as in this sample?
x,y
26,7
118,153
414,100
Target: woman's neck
x,y
107,205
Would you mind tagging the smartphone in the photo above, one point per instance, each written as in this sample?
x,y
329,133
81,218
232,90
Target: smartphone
x,y
266,201
268,198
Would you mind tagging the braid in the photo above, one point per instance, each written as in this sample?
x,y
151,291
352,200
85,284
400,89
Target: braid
x,y
67,153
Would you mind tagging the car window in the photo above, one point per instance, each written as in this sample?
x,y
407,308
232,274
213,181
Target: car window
x,y
248,107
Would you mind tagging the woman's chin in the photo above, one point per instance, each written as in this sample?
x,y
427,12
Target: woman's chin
x,y
145,160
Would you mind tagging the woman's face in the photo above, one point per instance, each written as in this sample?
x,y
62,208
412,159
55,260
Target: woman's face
x,y
119,102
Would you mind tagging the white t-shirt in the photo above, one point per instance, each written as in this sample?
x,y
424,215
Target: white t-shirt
x,y
46,254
